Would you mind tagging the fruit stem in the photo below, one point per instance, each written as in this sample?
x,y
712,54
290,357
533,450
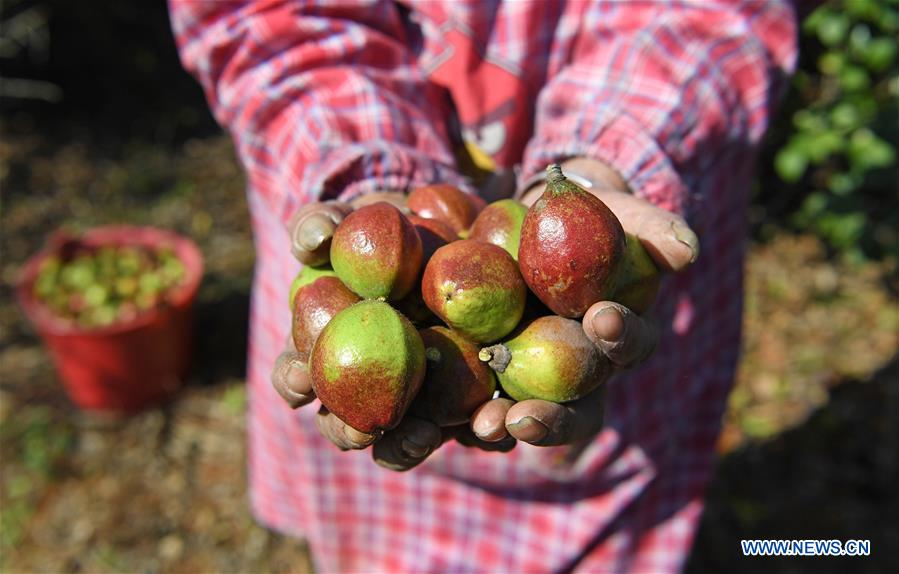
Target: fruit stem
x,y
554,173
497,357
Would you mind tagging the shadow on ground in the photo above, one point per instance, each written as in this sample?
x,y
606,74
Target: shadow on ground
x,y
833,478
220,340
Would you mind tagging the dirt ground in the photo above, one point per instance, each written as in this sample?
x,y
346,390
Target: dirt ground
x,y
810,447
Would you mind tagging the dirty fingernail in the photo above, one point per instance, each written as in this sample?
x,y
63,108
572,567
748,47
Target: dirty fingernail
x,y
529,429
686,236
314,231
488,431
413,449
295,378
608,324
358,438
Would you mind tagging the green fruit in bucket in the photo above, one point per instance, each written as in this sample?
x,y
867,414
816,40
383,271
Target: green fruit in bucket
x,y
94,287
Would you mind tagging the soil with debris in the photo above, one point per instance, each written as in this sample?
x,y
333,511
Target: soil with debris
x,y
809,448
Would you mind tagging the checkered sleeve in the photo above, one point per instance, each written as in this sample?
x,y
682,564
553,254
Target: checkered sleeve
x,y
663,92
323,99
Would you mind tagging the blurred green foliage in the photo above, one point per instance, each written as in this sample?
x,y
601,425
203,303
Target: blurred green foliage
x,y
34,442
836,158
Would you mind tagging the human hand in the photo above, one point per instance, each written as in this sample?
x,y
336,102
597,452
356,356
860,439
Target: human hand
x,y
413,439
401,448
625,337
313,225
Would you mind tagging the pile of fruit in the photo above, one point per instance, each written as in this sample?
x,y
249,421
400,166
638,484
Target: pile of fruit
x,y
430,313
96,287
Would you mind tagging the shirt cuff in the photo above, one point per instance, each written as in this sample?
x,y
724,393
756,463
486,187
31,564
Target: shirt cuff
x,y
357,169
625,146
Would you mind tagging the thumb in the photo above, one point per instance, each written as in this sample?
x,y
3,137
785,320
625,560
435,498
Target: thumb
x,y
625,337
666,236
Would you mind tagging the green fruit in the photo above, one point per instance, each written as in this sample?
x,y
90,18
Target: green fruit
x,y
475,288
500,224
549,359
639,278
92,286
367,365
307,275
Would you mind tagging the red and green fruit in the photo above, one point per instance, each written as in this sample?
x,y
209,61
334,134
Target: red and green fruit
x,y
456,381
571,247
475,288
314,306
367,365
377,252
500,224
446,203
307,275
434,234
550,359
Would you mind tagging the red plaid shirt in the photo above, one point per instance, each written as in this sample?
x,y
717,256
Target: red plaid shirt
x,y
336,99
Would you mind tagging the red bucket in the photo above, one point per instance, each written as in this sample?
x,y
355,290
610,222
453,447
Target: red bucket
x,y
128,366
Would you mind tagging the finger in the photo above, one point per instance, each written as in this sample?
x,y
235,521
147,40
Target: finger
x,y
626,338
488,423
396,198
543,423
341,207
340,433
407,445
311,230
290,377
466,437
666,236
311,239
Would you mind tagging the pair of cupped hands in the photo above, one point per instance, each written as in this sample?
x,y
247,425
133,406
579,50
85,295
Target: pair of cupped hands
x,y
626,338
